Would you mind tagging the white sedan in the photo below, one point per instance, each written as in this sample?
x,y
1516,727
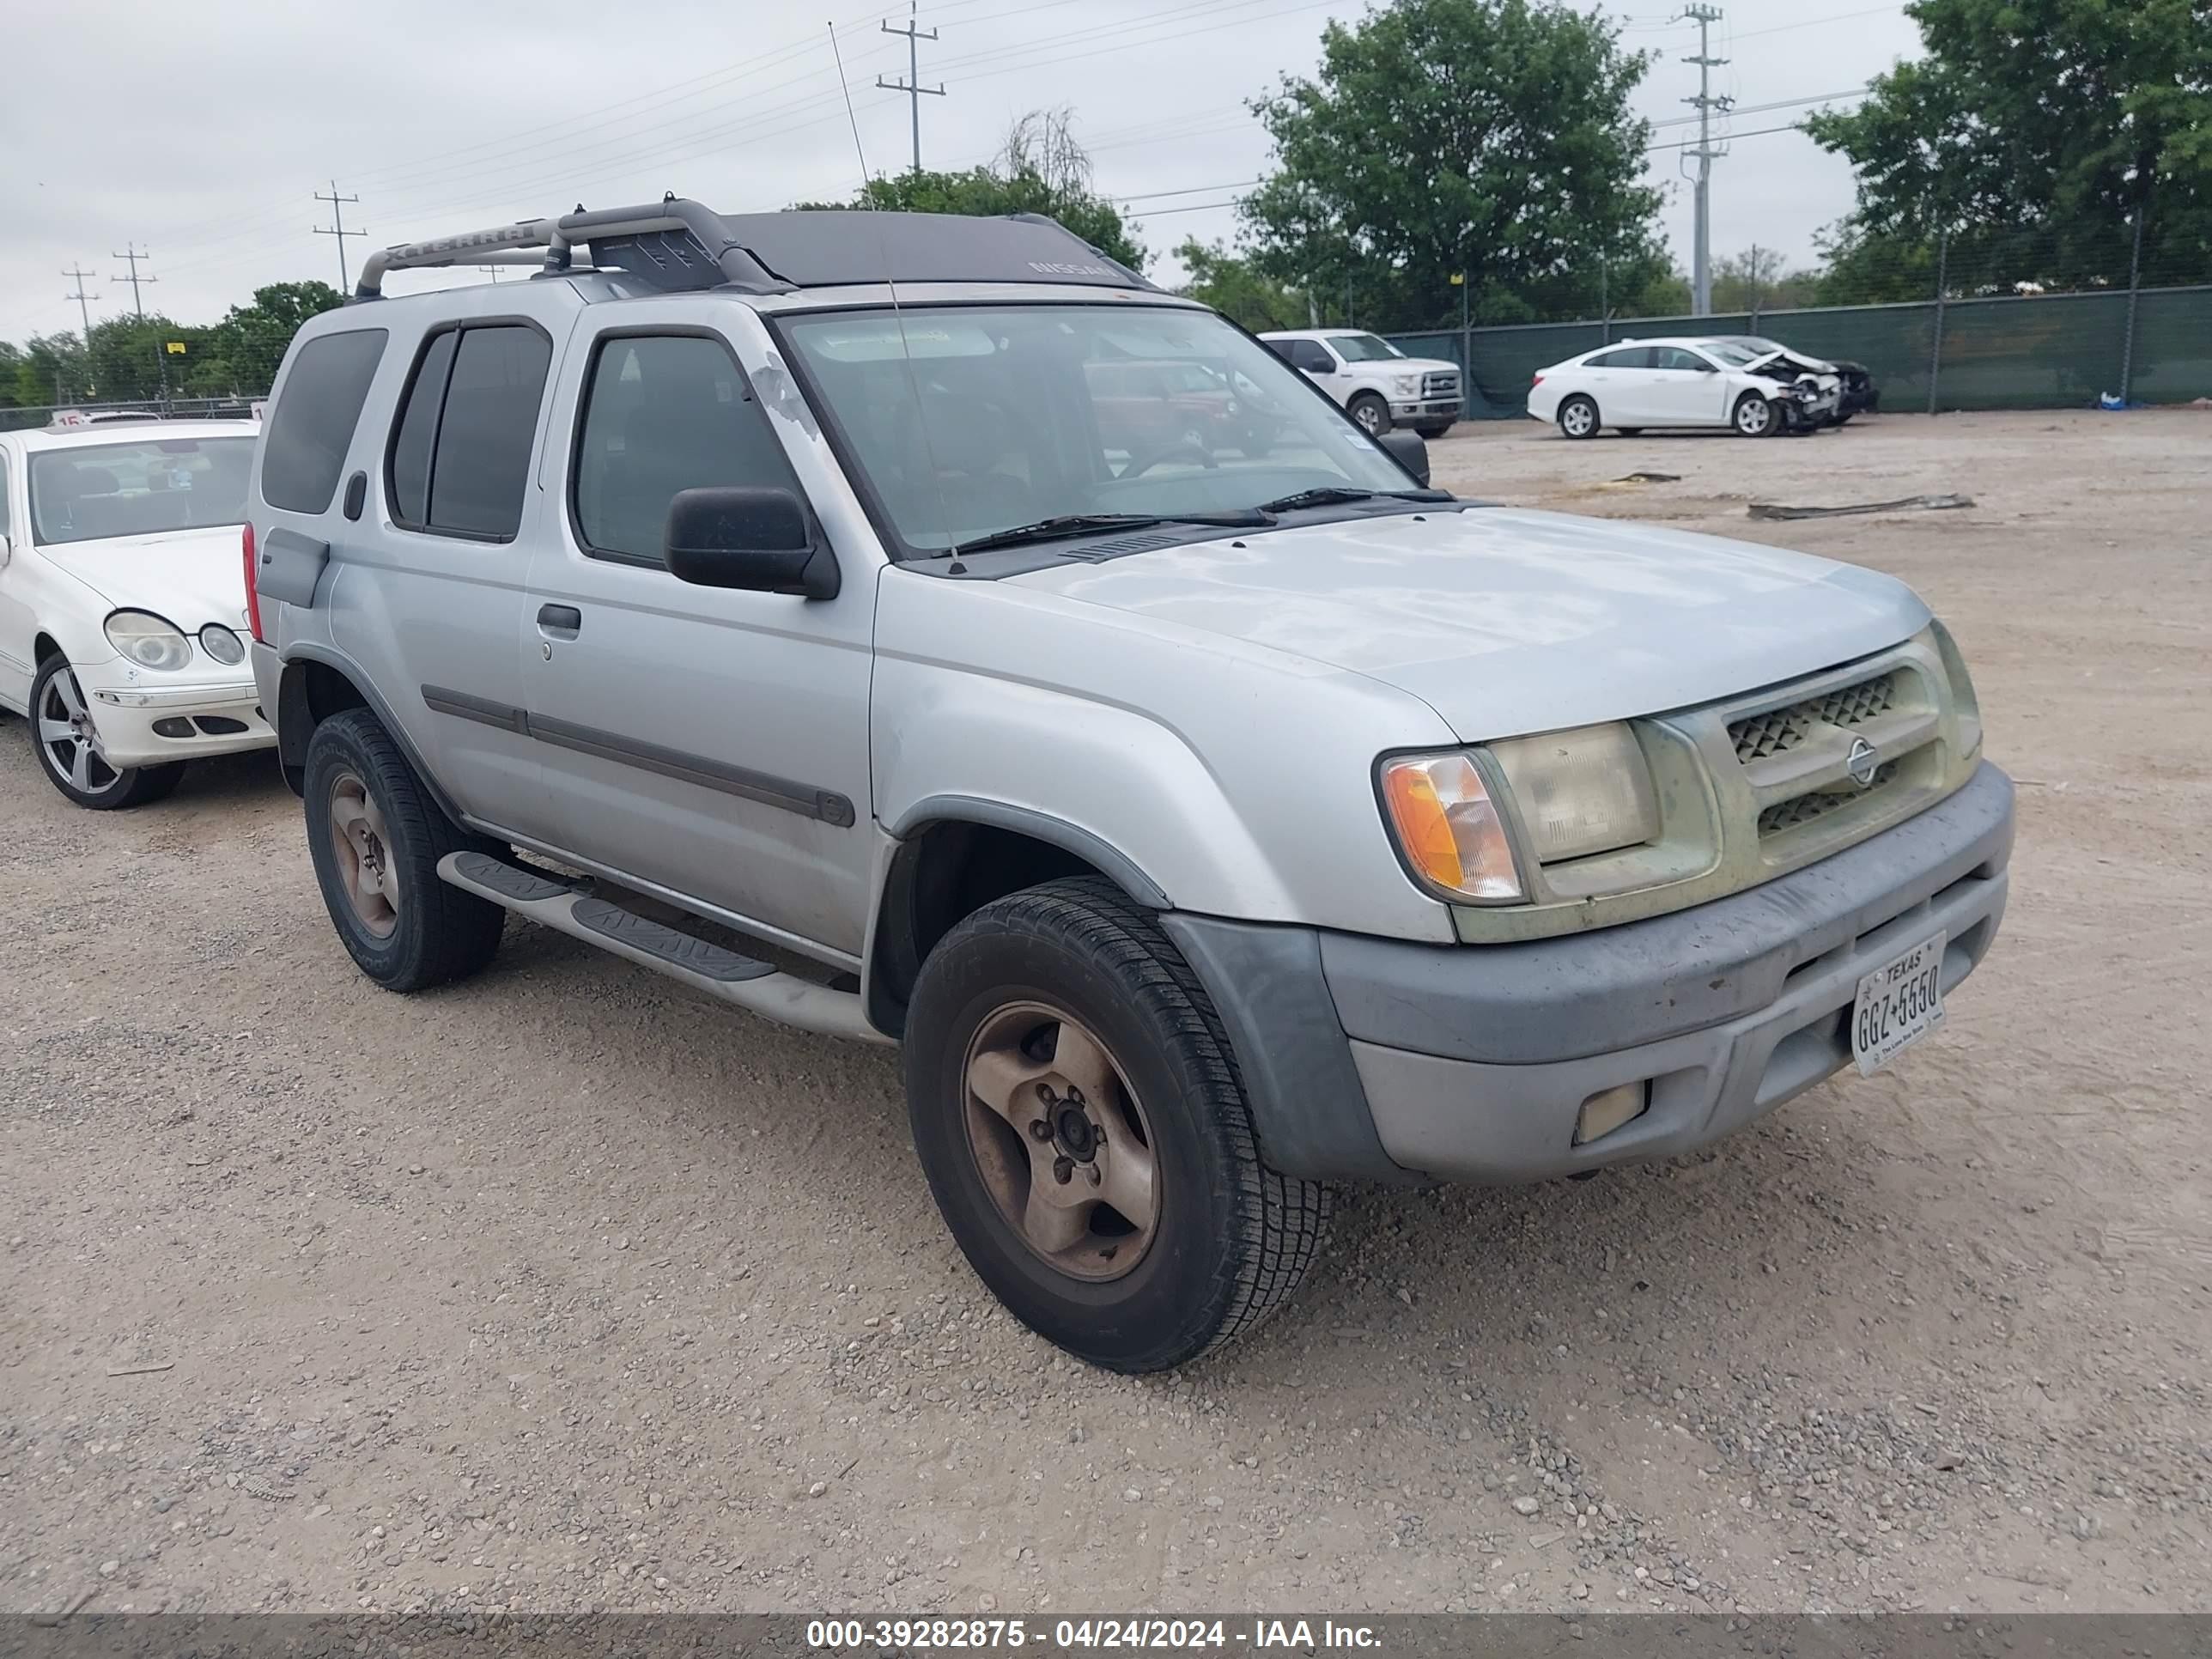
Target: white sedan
x,y
1689,382
123,600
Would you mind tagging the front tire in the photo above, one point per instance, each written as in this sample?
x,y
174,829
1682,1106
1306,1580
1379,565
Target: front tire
x,y
67,741
1755,416
1370,412
1079,1113
1578,418
376,836
1432,431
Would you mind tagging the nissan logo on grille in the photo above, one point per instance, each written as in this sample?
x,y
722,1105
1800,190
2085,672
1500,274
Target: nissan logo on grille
x,y
1862,763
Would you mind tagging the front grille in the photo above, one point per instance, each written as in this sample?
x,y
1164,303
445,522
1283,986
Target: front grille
x,y
1780,730
1440,384
1789,814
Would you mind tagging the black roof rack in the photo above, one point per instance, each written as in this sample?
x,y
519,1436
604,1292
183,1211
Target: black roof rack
x,y
674,245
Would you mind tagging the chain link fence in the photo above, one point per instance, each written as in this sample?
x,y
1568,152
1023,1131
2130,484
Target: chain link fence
x,y
22,417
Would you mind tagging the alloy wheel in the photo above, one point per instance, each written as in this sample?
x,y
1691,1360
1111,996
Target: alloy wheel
x,y
1061,1142
69,740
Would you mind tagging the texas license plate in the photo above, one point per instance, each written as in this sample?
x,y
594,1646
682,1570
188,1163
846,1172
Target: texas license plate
x,y
1898,1003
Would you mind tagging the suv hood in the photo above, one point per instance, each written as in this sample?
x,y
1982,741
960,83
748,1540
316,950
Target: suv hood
x,y
192,577
1507,621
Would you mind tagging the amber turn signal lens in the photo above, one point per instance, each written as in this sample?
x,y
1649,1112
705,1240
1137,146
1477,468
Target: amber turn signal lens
x,y
1448,828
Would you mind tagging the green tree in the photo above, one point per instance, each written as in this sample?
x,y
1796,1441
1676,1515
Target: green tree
x,y
1040,168
1758,280
249,342
1233,286
50,368
1491,136
2031,130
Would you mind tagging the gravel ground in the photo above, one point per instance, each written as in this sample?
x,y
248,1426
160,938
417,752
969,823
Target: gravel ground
x,y
560,1289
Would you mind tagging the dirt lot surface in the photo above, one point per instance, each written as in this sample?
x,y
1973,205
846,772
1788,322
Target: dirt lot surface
x,y
560,1289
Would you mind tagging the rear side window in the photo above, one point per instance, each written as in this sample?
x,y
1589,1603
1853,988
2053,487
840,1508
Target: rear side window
x,y
1626,357
460,457
304,448
662,413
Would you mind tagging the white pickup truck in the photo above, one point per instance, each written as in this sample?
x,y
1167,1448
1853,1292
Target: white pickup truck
x,y
1373,381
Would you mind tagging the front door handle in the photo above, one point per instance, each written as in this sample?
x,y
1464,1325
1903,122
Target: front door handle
x,y
562,619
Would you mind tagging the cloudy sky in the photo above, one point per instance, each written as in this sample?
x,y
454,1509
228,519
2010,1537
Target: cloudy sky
x,y
202,133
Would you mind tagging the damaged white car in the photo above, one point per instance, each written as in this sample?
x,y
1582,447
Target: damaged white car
x,y
1691,381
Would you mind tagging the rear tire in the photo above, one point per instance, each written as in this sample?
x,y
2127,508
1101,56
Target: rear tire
x,y
376,836
1578,418
1217,1240
1371,414
66,740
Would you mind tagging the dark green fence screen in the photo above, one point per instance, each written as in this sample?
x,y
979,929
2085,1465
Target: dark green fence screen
x,y
2033,351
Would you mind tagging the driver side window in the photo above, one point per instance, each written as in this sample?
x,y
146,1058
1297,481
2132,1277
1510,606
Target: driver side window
x,y
1312,356
5,521
662,413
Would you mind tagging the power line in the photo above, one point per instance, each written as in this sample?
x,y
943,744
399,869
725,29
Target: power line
x,y
1701,253
78,273
134,254
336,228
912,86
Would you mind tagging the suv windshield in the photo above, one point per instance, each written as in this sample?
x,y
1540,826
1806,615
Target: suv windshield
x,y
1364,348
968,421
88,492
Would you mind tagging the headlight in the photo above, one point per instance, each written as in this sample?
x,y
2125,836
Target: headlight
x,y
220,643
149,641
1588,790
1408,386
1968,707
1448,828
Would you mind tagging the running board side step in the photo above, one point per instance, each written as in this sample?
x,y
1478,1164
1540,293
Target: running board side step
x,y
740,980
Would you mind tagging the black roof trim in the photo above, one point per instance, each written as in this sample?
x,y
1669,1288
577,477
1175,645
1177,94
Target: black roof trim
x,y
673,246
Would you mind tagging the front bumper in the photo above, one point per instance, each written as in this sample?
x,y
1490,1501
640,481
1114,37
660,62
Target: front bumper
x,y
1379,1059
145,721
1427,412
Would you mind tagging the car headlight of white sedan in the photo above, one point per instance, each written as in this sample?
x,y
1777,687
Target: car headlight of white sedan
x,y
149,641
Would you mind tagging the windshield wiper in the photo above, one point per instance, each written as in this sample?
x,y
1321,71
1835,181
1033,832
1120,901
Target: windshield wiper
x,y
1061,525
1336,494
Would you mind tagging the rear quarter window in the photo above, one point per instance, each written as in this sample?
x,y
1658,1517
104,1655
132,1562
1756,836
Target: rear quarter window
x,y
304,447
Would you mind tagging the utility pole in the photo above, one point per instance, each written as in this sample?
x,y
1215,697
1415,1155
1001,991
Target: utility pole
x,y
77,273
133,255
338,228
911,86
1701,261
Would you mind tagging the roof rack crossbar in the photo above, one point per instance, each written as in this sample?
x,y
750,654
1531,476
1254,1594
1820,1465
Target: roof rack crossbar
x,y
671,244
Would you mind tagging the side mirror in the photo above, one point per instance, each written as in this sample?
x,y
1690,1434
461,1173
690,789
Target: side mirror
x,y
7,550
1409,449
746,536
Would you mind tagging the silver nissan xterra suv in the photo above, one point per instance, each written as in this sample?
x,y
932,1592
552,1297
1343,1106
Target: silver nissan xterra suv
x,y
806,607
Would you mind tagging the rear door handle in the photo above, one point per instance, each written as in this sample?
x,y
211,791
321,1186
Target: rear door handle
x,y
562,619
